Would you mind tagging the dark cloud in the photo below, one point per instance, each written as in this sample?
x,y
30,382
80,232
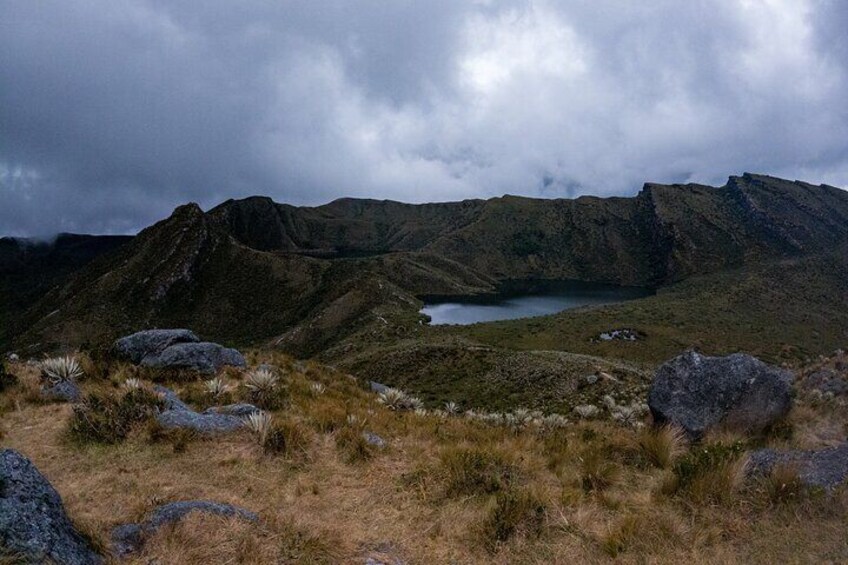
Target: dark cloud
x,y
112,112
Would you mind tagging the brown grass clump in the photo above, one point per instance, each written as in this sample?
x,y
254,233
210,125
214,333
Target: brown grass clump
x,y
514,511
662,446
596,472
288,438
783,485
475,470
105,417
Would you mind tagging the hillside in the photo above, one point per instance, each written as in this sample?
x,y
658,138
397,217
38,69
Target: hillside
x,y
756,265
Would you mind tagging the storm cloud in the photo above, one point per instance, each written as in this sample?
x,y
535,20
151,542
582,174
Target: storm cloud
x,y
112,112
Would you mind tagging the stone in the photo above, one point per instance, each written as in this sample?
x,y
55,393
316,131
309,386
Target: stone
x,y
129,538
738,392
65,391
139,345
33,522
377,387
170,398
374,440
204,357
241,409
825,468
205,424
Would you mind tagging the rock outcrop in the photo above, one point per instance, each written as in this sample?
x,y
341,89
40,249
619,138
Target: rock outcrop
x,y
33,524
129,538
139,345
204,357
826,468
738,392
215,420
176,349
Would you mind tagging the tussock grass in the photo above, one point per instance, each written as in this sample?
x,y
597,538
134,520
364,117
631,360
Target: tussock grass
x,y
662,446
449,489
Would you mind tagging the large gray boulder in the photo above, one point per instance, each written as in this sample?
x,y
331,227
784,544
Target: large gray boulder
x,y
738,392
129,538
33,524
204,357
139,345
826,468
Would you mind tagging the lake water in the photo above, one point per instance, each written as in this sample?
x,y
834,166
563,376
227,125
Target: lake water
x,y
539,300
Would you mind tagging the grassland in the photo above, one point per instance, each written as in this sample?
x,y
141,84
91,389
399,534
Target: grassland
x,y
446,489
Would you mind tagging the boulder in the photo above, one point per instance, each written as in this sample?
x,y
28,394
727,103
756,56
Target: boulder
x,y
739,392
129,538
204,357
33,524
826,468
139,345
63,391
170,398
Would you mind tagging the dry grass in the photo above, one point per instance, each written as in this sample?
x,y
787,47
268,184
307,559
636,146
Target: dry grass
x,y
662,446
446,490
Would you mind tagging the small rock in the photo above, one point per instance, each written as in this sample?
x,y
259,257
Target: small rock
x,y
13,357
826,381
33,522
377,387
740,392
64,390
374,439
139,345
826,468
129,538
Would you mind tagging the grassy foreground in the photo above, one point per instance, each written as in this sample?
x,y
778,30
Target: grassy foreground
x,y
445,489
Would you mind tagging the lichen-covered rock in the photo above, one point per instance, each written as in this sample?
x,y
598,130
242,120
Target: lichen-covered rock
x,y
33,522
826,468
738,392
204,357
129,538
206,424
65,391
139,345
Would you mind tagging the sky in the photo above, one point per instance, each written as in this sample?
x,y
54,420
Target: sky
x,y
113,112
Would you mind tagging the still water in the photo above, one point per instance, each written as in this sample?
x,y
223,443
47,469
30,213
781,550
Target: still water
x,y
539,300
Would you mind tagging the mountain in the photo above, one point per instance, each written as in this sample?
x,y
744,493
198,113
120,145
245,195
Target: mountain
x,y
335,277
29,268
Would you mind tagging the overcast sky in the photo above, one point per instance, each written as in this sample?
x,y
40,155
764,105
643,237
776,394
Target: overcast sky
x,y
113,112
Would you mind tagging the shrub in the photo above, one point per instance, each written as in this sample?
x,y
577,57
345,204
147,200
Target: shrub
x,y
7,380
58,369
662,446
179,438
475,470
784,485
107,418
287,438
216,387
396,399
711,473
265,390
352,443
596,472
327,417
514,511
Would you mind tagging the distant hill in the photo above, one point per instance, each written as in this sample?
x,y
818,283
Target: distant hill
x,y
254,271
